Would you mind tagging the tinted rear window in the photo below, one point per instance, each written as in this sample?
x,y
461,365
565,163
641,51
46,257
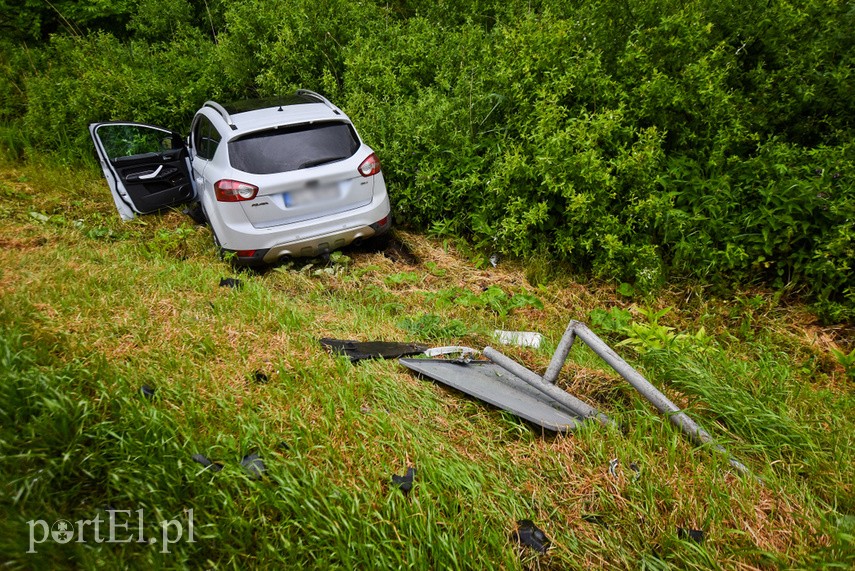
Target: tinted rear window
x,y
291,148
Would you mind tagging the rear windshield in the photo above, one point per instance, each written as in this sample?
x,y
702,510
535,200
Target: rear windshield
x,y
292,148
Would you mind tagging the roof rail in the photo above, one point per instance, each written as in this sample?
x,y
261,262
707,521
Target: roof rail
x,y
222,111
319,97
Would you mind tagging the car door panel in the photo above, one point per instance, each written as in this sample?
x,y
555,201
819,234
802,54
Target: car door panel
x,y
146,167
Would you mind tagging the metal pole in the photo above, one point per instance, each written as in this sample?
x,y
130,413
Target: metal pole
x,y
561,352
651,393
564,398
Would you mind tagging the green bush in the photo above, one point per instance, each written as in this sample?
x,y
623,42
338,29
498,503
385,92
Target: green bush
x,y
99,78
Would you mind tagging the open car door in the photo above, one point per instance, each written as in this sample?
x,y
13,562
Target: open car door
x,y
147,167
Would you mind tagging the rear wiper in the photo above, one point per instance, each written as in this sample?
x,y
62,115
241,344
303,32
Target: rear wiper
x,y
316,162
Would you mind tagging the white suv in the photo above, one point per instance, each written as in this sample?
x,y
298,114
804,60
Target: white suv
x,y
279,178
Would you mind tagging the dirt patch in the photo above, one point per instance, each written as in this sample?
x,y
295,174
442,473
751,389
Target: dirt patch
x,y
391,246
399,252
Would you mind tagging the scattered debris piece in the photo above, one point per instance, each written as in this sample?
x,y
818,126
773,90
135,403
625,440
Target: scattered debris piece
x,y
494,260
233,283
405,482
613,464
359,350
695,535
451,350
283,446
496,386
529,535
519,338
260,377
214,466
147,391
634,467
253,465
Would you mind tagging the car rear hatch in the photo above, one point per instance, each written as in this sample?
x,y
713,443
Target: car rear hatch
x,y
302,172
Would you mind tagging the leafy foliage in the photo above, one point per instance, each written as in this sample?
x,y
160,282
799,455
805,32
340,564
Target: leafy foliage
x,y
493,298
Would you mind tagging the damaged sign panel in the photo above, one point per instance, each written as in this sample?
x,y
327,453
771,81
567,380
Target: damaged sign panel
x,y
497,386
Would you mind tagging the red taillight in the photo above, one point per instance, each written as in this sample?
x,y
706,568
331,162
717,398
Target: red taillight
x,y
234,191
245,253
370,166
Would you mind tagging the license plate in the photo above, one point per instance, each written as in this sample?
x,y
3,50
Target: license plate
x,y
310,196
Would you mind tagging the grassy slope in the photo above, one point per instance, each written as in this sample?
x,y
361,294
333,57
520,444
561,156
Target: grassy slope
x,y
92,309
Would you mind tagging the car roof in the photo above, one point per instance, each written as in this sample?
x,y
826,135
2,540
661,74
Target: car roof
x,y
253,114
235,107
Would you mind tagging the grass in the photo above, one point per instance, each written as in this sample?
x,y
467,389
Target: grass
x,y
92,309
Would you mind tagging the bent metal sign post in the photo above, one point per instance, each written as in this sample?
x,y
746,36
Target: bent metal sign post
x,y
119,527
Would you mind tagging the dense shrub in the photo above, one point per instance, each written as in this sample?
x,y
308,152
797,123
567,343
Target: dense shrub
x,y
98,78
639,141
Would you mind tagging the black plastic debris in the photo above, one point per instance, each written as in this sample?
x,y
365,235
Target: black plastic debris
x,y
529,535
283,446
634,467
214,466
233,283
260,377
147,391
695,535
359,350
405,482
253,465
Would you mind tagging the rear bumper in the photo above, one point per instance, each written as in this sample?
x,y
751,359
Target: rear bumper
x,y
324,244
311,247
253,246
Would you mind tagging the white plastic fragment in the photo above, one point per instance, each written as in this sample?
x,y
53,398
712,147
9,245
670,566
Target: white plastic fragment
x,y
454,350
